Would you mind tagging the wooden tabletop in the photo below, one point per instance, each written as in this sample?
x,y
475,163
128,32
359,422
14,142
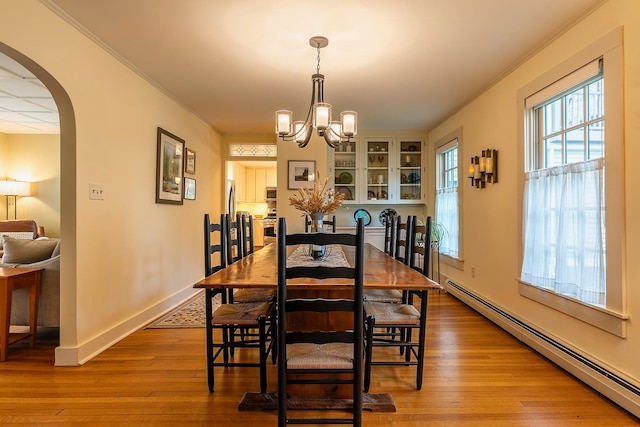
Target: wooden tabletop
x,y
259,270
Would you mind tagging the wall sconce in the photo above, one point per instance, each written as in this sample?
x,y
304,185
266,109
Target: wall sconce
x,y
484,169
15,189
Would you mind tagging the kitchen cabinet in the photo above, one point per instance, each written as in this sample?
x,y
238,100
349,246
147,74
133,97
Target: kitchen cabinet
x,y
379,170
256,180
272,177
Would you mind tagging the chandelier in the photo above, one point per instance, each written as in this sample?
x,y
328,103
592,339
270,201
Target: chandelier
x,y
319,114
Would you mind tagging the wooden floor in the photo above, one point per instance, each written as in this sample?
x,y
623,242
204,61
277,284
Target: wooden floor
x,y
476,375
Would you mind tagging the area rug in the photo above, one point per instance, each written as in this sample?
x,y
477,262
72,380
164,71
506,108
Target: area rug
x,y
189,314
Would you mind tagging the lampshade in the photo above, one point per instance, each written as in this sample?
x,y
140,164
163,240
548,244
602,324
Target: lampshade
x,y
15,188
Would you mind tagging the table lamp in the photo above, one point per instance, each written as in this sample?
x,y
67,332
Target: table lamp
x,y
15,189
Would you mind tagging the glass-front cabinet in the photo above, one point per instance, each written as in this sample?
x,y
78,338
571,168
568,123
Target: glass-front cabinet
x,y
345,167
410,169
378,170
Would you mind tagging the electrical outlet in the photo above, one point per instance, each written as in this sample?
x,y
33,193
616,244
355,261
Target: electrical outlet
x,y
96,191
473,272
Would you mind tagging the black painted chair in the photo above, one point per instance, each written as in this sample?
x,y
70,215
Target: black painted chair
x,y
246,226
230,317
386,295
403,318
335,355
328,223
245,236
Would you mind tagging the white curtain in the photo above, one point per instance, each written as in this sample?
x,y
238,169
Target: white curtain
x,y
564,232
447,216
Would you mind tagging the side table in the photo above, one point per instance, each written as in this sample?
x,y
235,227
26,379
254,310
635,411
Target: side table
x,y
10,280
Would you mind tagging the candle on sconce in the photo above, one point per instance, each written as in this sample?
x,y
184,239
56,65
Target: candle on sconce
x,y
489,165
476,168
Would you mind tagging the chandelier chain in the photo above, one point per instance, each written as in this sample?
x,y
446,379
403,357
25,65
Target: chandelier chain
x,y
318,67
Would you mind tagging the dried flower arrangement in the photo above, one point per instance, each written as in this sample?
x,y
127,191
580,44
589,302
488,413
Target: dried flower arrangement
x,y
317,199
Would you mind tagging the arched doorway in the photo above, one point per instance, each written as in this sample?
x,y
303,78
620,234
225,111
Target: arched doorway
x,y
68,321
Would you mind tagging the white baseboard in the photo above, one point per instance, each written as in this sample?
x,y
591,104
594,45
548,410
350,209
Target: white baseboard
x,y
594,373
75,356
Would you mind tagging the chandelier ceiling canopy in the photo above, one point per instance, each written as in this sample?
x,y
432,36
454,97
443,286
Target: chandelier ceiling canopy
x,y
319,114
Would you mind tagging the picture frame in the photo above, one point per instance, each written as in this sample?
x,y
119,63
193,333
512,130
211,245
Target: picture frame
x,y
169,168
301,173
190,162
189,188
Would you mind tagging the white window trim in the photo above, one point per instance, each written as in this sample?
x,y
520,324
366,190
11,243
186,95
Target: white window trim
x,y
613,317
441,145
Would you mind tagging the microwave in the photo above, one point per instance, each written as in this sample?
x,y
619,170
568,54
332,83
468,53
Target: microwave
x,y
271,195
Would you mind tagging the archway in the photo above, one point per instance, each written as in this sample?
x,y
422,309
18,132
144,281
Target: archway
x,y
68,318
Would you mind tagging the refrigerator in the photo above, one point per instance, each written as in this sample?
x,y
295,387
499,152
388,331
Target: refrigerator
x,y
231,198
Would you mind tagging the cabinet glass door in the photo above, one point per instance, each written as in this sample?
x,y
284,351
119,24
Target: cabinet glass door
x,y
378,170
345,165
410,168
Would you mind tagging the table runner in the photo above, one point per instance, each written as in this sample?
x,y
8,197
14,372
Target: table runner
x,y
300,258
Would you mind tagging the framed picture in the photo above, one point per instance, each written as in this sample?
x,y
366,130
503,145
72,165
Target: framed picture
x,y
189,188
301,173
190,162
169,168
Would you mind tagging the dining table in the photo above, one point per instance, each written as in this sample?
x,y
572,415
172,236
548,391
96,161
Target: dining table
x,y
259,271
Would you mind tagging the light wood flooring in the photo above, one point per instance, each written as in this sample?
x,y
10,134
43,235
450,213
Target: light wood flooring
x,y
476,375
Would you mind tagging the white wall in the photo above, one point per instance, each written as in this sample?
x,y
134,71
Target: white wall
x,y
35,159
490,216
127,258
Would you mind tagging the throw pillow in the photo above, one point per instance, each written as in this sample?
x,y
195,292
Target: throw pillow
x,y
16,235
21,251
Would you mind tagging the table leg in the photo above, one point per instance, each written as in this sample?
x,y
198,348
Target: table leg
x,y
5,319
34,296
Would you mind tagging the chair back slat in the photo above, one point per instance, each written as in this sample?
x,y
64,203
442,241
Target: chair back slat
x,y
331,222
327,337
321,272
321,239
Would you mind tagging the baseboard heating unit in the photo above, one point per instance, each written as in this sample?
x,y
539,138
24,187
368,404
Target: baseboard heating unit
x,y
601,378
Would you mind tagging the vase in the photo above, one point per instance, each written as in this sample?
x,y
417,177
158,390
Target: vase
x,y
317,251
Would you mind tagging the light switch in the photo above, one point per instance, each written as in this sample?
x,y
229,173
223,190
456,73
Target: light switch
x,y
96,191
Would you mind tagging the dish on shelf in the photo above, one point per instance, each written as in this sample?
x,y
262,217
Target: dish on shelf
x,y
382,195
413,178
364,214
345,178
412,148
386,213
371,195
346,191
403,178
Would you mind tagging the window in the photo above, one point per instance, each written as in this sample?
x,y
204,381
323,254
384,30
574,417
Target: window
x,y
564,195
572,205
447,197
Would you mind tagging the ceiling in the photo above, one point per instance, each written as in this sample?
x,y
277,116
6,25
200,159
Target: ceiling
x,y
26,105
405,64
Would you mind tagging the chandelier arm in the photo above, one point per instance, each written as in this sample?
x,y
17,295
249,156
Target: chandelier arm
x,y
307,138
327,139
